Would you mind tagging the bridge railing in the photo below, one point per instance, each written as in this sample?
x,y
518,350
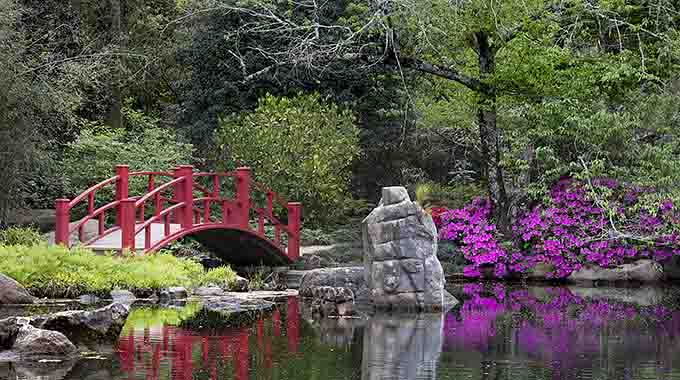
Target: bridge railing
x,y
182,210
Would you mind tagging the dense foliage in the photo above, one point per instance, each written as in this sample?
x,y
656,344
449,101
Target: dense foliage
x,y
301,146
93,156
500,98
20,236
601,222
58,272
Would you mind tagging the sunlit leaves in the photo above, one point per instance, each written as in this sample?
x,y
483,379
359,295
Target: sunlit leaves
x,y
301,147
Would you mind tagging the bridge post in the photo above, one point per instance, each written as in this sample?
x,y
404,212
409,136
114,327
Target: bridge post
x,y
294,211
122,172
243,196
187,195
128,225
62,222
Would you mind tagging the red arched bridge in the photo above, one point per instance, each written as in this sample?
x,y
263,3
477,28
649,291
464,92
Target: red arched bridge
x,y
227,212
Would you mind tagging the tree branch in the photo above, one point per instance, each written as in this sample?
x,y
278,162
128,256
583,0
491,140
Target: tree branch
x,y
449,73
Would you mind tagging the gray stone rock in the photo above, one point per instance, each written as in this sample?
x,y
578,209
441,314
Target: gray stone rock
x,y
400,255
671,268
345,309
208,291
393,195
351,278
332,301
34,343
11,292
311,261
79,325
173,294
641,270
123,296
240,284
9,328
230,305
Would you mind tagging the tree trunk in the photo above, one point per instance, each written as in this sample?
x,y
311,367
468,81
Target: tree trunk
x,y
488,132
116,113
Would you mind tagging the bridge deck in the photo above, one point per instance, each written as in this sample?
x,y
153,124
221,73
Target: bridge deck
x,y
112,241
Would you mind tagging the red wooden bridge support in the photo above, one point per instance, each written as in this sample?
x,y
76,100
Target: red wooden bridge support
x,y
122,188
294,210
61,232
184,193
243,197
127,223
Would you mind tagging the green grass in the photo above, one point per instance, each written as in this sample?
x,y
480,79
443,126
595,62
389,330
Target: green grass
x,y
58,272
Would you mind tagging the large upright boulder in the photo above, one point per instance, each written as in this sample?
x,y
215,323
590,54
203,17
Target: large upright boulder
x,y
400,255
11,292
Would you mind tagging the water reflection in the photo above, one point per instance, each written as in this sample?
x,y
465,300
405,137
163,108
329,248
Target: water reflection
x,y
497,333
215,352
555,333
402,347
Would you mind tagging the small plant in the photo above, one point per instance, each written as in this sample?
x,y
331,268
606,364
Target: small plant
x,y
221,276
20,236
257,279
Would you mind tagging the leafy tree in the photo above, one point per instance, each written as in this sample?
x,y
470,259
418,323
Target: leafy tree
x,y
226,73
301,147
525,71
92,157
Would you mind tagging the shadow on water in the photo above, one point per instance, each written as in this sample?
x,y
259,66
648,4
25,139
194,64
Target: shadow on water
x,y
498,333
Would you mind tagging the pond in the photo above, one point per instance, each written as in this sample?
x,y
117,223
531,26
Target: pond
x,y
498,332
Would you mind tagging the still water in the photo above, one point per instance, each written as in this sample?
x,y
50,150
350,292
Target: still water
x,y
496,333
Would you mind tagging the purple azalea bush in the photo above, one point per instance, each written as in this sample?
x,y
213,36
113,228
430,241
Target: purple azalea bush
x,y
566,232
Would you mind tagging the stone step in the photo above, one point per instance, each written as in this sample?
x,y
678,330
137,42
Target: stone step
x,y
293,278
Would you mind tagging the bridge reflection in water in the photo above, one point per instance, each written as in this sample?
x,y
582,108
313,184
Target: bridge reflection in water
x,y
175,353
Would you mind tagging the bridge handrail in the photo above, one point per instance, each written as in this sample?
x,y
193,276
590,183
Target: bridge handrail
x,y
92,190
147,173
157,217
275,196
92,215
157,190
218,174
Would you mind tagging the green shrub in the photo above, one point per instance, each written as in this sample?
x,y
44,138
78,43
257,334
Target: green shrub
x,y
58,272
91,158
431,194
222,276
20,236
300,147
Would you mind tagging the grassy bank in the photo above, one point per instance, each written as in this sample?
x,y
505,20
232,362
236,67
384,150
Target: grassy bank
x,y
58,272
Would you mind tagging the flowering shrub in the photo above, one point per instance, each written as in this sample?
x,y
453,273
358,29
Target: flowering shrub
x,y
437,213
566,232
